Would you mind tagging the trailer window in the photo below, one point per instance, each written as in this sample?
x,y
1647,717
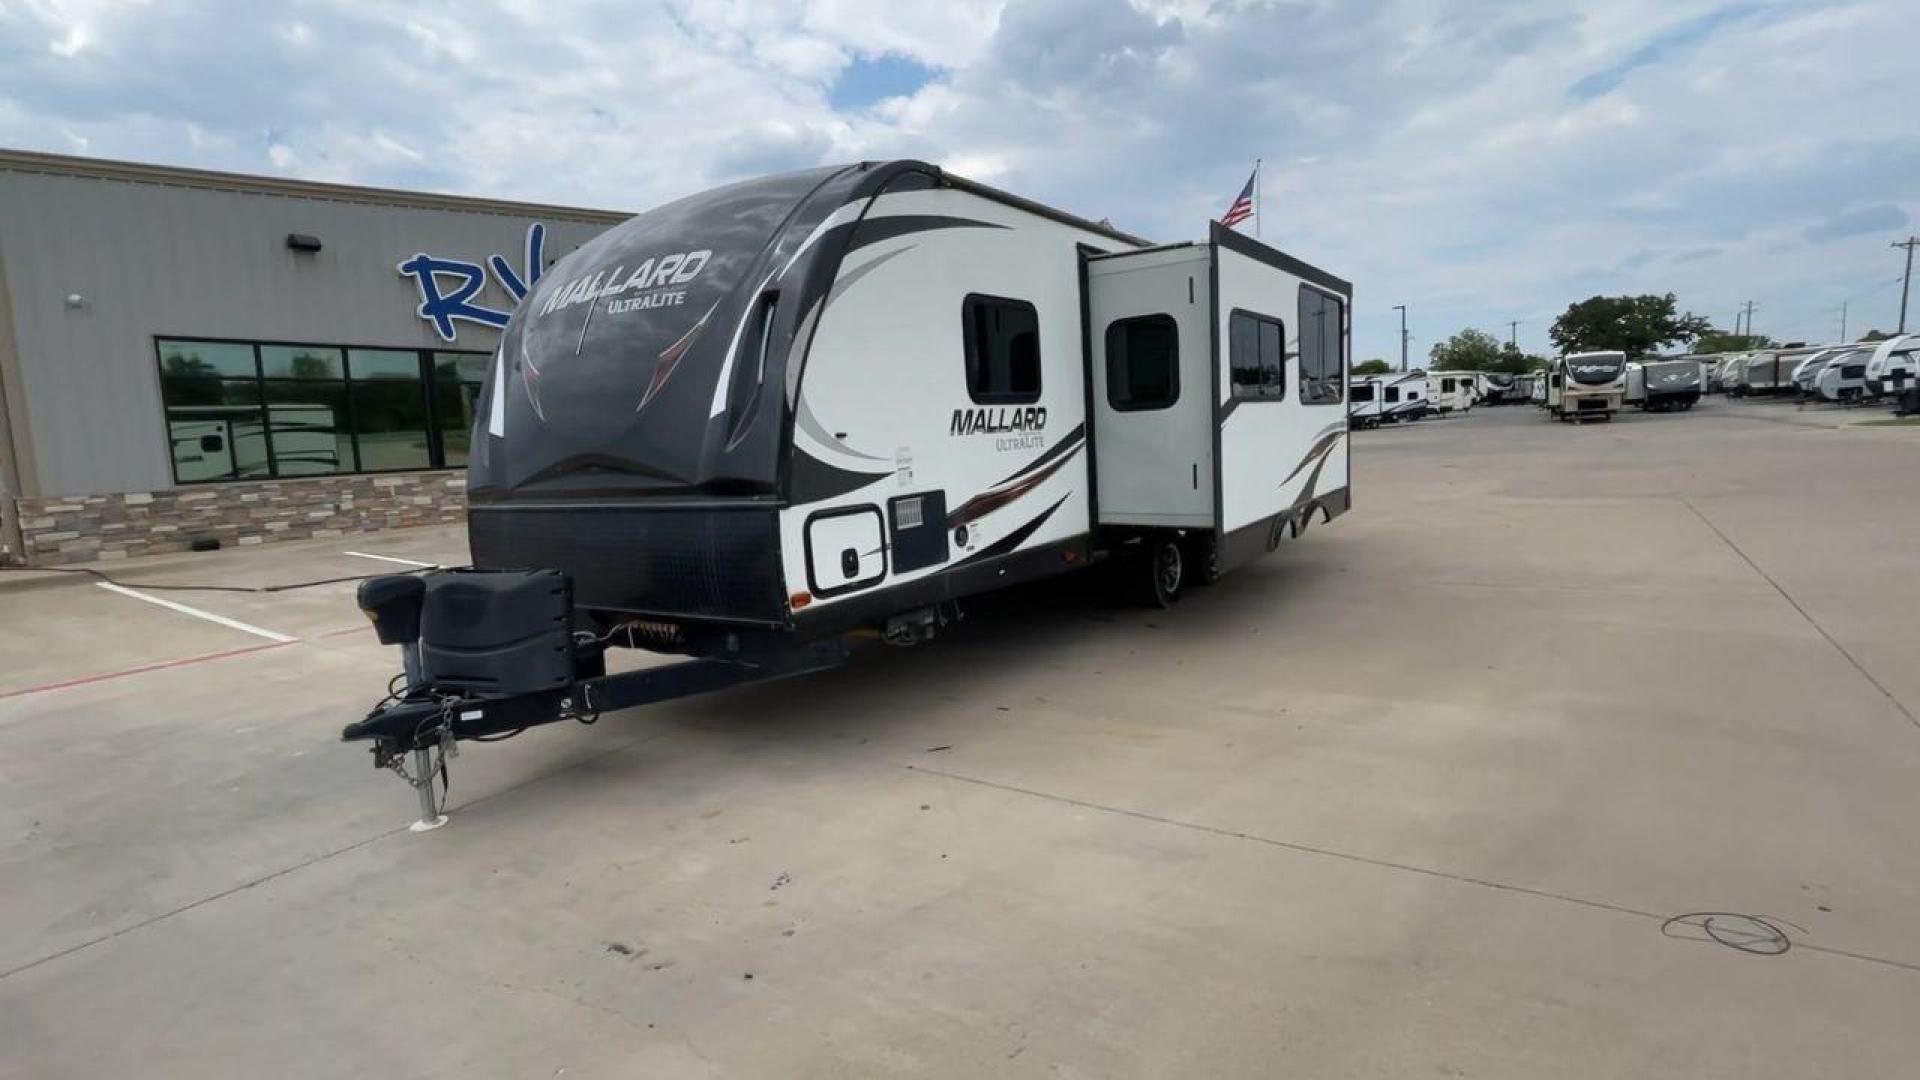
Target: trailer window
x,y
1393,393
1002,341
1362,392
1143,363
1256,356
1322,353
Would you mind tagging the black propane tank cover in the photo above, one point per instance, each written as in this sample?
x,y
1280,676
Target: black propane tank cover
x,y
392,601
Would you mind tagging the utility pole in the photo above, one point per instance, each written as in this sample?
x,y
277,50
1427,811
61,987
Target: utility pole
x,y
1402,309
1843,321
1909,243
1748,306
1513,333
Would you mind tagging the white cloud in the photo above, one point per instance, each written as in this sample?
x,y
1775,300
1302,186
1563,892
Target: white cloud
x,y
1438,156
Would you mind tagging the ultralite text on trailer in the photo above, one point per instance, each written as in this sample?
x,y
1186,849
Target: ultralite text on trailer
x,y
747,423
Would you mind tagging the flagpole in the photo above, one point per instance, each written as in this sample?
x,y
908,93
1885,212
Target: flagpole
x,y
1257,214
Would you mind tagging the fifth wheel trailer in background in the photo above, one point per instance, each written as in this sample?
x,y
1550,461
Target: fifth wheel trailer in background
x,y
744,425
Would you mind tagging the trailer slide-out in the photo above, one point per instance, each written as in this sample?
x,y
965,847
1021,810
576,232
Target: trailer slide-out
x,y
742,426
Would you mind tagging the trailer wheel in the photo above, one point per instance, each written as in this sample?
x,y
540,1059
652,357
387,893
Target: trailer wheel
x,y
1203,558
1166,571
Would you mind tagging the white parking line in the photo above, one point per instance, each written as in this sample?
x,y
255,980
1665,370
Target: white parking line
x,y
391,558
183,609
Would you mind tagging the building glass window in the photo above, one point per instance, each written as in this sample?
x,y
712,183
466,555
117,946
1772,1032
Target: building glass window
x,y
457,378
248,411
1002,343
1322,347
1257,356
1143,363
389,410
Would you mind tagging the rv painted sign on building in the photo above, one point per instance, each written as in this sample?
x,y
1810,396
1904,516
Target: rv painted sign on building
x,y
450,288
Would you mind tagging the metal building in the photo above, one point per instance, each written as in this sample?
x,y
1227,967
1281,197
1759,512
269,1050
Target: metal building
x,y
190,358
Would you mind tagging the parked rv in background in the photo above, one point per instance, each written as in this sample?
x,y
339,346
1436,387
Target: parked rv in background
x,y
1732,375
1406,397
1893,366
1364,397
1453,391
1663,385
1843,378
1586,386
1807,374
1770,371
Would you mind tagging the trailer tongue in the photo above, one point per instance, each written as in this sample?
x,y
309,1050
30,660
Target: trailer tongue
x,y
486,655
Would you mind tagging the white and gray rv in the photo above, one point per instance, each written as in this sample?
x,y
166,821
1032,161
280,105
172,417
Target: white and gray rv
x,y
1732,374
1454,391
1662,385
1843,378
748,423
1405,397
1365,400
1586,386
1894,366
1770,371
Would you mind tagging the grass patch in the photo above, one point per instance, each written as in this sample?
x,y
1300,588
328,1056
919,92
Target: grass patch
x,y
1899,421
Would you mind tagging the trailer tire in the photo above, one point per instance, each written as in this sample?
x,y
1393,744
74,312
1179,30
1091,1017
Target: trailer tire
x,y
1166,571
1203,558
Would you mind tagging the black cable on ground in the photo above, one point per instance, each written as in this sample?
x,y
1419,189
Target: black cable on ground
x,y
151,587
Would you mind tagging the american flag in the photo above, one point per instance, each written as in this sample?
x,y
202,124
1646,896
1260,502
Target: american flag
x,y
1242,207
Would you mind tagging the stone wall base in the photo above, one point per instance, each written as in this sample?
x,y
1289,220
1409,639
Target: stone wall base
x,y
81,529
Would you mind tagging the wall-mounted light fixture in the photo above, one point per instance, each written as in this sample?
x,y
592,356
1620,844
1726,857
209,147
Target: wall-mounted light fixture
x,y
306,242
76,301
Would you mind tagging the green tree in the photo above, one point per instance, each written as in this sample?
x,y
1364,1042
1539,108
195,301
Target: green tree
x,y
1468,350
1875,335
1635,325
1514,362
1716,341
1375,366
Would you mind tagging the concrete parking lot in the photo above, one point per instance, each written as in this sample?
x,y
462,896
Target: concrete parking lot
x,y
1415,796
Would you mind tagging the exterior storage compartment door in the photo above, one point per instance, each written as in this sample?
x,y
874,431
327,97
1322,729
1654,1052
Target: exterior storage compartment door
x,y
846,550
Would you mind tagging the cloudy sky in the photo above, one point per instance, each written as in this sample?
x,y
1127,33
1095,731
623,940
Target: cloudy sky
x,y
1477,160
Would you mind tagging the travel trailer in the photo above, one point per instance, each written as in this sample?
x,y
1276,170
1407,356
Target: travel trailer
x,y
1586,386
1365,395
1405,397
1662,385
1732,375
1806,375
1454,391
1771,371
745,425
1843,378
1894,366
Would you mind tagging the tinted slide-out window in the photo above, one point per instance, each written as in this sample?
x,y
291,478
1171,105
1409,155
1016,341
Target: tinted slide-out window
x,y
1257,357
1143,363
1322,347
1003,350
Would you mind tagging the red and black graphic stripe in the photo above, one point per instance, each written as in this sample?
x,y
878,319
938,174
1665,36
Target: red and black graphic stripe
x,y
1006,544
1014,486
